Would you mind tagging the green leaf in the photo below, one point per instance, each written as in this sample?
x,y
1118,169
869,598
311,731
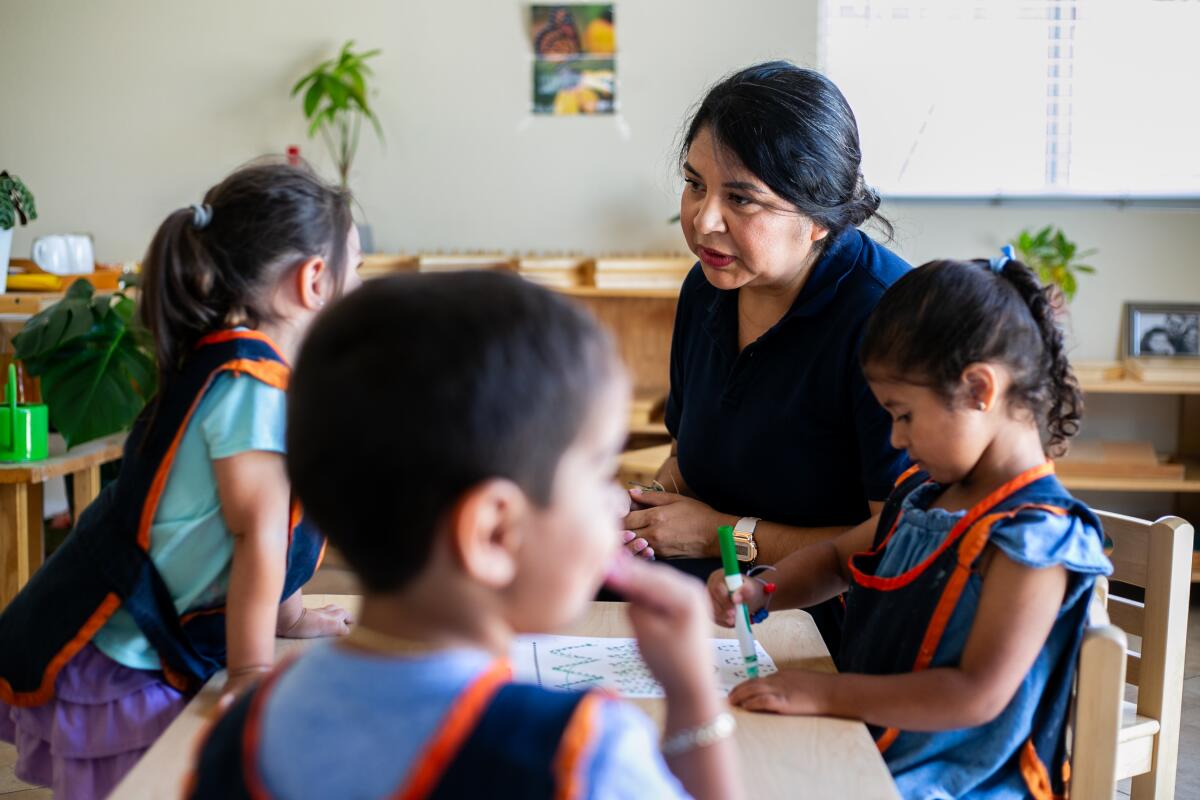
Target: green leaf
x,y
1085,268
312,76
312,97
336,91
1068,285
94,364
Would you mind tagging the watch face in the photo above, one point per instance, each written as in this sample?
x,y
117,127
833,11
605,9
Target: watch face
x,y
743,550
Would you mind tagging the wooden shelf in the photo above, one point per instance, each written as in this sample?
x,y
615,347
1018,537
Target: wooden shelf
x,y
592,291
1190,482
1127,386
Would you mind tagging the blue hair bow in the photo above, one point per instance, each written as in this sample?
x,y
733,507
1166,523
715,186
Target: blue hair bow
x,y
1007,254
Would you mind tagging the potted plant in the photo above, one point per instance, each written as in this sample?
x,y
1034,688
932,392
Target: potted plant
x,y
336,103
16,205
1054,257
94,360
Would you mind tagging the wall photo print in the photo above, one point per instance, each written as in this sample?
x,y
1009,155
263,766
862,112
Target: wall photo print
x,y
574,59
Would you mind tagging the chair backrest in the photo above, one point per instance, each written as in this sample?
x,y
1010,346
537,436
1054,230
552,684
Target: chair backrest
x,y
1099,694
1155,556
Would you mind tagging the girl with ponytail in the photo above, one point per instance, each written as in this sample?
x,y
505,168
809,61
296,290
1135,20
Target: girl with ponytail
x,y
966,597
192,560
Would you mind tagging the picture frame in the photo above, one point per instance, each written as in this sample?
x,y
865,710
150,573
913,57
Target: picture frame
x,y
1162,330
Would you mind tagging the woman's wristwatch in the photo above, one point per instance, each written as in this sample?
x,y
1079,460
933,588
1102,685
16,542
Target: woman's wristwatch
x,y
743,539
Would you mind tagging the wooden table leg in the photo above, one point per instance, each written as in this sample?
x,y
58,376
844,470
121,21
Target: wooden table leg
x,y
87,486
20,536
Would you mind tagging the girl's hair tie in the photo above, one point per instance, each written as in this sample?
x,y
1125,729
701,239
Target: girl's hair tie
x,y
201,215
996,264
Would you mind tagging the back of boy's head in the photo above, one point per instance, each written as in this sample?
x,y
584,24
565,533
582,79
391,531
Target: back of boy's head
x,y
216,263
414,389
945,315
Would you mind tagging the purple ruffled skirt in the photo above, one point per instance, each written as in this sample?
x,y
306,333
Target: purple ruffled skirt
x,y
103,717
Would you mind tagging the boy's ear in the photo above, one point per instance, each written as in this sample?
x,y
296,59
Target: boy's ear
x,y
485,531
981,383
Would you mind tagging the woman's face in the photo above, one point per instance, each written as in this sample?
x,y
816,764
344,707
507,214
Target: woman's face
x,y
743,233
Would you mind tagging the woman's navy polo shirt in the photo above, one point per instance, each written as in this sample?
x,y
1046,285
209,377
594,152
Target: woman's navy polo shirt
x,y
787,430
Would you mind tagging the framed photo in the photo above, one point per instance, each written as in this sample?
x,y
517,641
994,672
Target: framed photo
x,y
1162,330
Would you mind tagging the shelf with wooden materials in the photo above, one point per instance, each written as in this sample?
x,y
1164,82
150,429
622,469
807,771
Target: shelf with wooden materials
x,y
593,291
1189,483
1131,386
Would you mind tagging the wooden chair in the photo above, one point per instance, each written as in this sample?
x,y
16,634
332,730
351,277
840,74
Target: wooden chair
x,y
1155,556
1099,698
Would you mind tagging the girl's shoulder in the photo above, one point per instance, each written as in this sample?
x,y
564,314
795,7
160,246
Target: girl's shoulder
x,y
1045,534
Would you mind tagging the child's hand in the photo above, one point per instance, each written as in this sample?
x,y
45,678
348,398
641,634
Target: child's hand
x,y
669,613
751,593
790,691
238,682
637,546
313,623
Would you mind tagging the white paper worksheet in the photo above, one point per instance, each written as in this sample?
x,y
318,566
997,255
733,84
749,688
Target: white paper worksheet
x,y
586,662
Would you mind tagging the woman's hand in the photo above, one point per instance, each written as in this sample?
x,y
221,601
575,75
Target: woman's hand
x,y
674,525
751,593
792,691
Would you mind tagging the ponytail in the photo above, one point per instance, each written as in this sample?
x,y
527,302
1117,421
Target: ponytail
x,y
1064,401
216,264
179,301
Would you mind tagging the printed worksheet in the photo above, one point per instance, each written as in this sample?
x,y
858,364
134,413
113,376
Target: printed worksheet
x,y
584,662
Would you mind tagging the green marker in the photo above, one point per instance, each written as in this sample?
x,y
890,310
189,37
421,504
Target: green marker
x,y
741,617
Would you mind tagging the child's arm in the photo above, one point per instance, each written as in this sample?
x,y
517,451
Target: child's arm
x,y
1018,606
670,619
806,577
255,496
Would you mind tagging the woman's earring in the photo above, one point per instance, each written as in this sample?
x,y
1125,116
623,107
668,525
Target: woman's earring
x,y
982,406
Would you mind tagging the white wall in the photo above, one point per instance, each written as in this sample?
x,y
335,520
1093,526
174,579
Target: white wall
x,y
117,112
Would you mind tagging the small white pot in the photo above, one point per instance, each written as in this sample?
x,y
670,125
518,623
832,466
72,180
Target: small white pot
x,y
6,237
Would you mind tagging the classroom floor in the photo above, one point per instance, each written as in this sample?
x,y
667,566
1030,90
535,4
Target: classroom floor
x,y
334,580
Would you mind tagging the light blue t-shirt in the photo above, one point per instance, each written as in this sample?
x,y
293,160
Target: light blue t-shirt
x,y
189,542
345,724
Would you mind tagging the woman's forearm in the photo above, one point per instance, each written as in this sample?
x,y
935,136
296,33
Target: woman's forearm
x,y
671,478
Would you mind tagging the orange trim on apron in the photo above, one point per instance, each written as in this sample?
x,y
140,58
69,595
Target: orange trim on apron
x,y
580,732
274,375
216,337
1035,775
977,511
45,690
454,730
253,732
977,536
913,470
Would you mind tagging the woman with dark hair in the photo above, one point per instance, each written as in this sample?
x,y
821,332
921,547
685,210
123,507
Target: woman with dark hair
x,y
774,428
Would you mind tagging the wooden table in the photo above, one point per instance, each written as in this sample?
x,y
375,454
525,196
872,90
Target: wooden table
x,y
809,757
21,543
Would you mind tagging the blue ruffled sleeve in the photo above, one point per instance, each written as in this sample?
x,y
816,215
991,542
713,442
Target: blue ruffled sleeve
x,y
1040,538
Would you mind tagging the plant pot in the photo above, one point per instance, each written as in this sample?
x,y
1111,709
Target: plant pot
x,y
6,237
